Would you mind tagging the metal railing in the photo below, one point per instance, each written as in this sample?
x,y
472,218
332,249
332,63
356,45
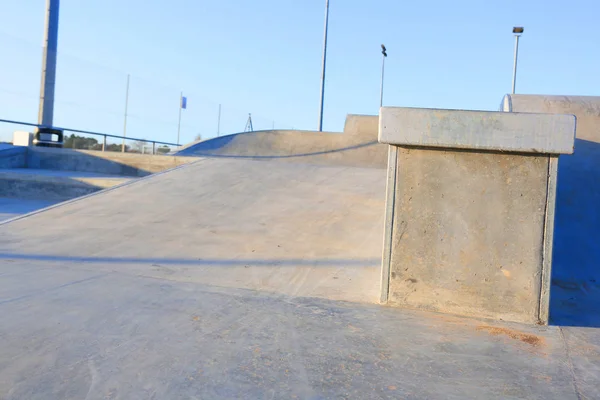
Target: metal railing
x,y
104,135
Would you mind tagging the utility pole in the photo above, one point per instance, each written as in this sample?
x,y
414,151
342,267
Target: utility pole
x,y
125,120
323,66
517,31
384,56
48,82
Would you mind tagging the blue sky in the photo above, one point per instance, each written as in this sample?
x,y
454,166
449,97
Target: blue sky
x,y
264,57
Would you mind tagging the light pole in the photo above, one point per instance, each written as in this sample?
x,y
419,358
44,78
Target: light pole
x,y
323,66
384,55
517,31
46,109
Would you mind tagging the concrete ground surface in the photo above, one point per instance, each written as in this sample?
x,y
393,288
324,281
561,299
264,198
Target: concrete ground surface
x,y
234,278
12,208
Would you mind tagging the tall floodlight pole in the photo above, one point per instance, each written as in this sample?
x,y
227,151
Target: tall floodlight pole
x,y
323,66
517,31
46,108
384,55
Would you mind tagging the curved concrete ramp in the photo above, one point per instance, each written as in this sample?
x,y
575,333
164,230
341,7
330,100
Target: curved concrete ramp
x,y
575,293
357,146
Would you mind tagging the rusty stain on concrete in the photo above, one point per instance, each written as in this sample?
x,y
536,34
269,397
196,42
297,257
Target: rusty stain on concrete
x,y
528,338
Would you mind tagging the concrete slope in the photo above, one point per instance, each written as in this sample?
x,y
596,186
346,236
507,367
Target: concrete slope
x,y
357,146
231,278
286,228
575,293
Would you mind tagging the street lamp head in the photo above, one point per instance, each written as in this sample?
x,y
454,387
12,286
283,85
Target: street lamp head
x,y
518,30
383,51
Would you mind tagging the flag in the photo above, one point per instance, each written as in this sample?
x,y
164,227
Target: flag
x,y
183,102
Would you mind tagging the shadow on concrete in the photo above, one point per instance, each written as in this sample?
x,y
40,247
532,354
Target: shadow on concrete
x,y
84,161
575,292
44,188
12,207
203,262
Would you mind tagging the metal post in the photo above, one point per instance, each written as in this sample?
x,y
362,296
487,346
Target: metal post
x,y
323,66
153,148
179,123
382,74
517,31
48,81
104,143
219,122
125,121
514,80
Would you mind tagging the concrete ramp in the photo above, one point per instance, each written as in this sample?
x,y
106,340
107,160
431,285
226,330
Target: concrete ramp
x,y
278,227
575,293
357,146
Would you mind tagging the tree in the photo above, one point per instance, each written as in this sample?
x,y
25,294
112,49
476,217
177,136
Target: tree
x,y
80,142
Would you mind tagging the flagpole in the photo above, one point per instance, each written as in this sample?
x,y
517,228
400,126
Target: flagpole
x,y
179,123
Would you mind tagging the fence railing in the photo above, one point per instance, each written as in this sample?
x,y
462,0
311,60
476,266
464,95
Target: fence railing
x,y
104,136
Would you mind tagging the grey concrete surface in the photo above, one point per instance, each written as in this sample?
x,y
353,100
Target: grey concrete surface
x,y
575,298
357,146
12,207
468,233
54,185
242,279
478,130
269,218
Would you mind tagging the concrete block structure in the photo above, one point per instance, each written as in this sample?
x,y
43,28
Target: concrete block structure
x,y
470,210
22,138
575,297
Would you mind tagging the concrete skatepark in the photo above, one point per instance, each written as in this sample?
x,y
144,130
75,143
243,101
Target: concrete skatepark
x,y
254,272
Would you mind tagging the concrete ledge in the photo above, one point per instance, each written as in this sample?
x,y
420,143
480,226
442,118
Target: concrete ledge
x,y
481,130
469,230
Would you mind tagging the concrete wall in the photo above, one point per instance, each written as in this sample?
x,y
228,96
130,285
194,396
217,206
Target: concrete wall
x,y
468,232
13,157
469,213
575,296
366,126
125,164
585,108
